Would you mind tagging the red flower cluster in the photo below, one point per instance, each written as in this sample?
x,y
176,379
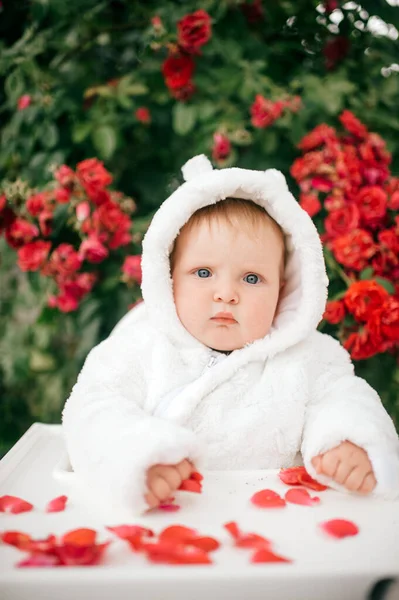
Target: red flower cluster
x,y
345,178
93,212
265,112
194,30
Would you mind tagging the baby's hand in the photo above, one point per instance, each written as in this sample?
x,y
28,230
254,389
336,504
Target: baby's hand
x,y
348,465
164,480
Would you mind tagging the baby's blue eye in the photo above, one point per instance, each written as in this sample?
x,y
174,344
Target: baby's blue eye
x,y
251,278
203,273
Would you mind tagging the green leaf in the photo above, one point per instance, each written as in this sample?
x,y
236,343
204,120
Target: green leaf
x,y
14,85
104,140
49,135
80,131
137,89
184,117
366,273
386,284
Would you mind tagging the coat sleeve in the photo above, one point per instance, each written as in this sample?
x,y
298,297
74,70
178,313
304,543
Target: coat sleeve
x,y
110,439
341,407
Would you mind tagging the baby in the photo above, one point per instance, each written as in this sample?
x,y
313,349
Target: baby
x,y
222,367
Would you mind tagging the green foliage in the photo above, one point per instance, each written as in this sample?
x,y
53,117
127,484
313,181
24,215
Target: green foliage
x,y
88,65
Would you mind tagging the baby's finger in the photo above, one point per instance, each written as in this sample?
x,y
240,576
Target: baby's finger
x,y
160,488
355,479
151,500
329,464
171,476
316,462
185,469
342,472
368,484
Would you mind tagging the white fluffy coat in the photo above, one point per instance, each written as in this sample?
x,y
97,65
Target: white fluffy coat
x,y
148,394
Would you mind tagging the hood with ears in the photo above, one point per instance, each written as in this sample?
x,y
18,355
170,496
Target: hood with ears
x,y
305,292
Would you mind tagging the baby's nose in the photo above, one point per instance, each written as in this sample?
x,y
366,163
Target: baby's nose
x,y
227,295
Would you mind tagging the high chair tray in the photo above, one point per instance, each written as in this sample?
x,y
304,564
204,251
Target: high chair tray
x,y
36,469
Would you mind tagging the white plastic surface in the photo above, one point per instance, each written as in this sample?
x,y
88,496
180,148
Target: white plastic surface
x,y
323,568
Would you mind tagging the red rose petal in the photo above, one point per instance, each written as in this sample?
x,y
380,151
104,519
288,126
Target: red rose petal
x,y
169,507
14,505
340,528
246,540
57,504
205,543
40,560
171,553
267,499
290,476
127,531
190,485
45,546
79,555
16,538
302,497
263,555
80,537
177,534
308,481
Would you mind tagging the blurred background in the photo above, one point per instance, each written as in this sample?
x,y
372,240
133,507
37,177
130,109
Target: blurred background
x,y
102,102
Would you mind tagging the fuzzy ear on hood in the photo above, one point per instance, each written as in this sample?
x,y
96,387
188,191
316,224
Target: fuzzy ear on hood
x,y
305,292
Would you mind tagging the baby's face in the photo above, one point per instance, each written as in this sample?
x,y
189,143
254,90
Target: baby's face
x,y
226,283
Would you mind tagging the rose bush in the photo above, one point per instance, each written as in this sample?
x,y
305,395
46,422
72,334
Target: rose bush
x,y
103,96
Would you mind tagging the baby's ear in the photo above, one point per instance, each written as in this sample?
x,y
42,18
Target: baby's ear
x,y
196,166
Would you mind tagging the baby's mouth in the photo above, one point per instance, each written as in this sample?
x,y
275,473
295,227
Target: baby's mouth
x,y
224,317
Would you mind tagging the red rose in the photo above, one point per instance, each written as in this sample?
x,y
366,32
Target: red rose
x,y
20,232
354,249
64,175
352,124
335,50
390,239
132,268
45,222
143,115
36,203
64,260
253,12
62,195
393,202
178,71
362,345
330,5
32,256
317,137
363,297
3,202
303,166
335,312
221,147
93,250
342,221
121,237
385,321
310,203
91,172
24,101
194,30
264,111
372,203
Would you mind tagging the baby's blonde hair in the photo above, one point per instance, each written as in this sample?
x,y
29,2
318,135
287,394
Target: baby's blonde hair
x,y
236,212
